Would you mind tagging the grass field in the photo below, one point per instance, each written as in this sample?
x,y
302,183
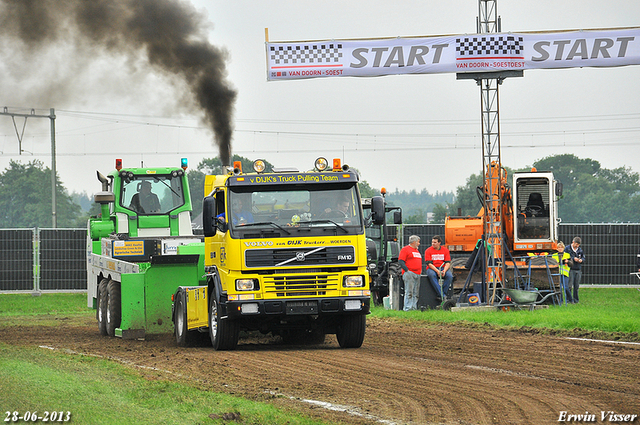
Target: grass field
x,y
100,391
600,309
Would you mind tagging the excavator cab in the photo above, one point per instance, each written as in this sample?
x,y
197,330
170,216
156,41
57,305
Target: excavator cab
x,y
535,206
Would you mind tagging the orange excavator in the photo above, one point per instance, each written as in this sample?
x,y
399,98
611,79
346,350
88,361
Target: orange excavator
x,y
521,218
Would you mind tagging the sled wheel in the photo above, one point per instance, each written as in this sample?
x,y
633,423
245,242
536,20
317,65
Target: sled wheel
x,y
113,307
101,312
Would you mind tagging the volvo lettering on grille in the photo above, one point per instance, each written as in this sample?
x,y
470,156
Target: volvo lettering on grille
x,y
287,257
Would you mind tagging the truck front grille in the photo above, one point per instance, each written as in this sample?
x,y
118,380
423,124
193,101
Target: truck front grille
x,y
301,286
297,257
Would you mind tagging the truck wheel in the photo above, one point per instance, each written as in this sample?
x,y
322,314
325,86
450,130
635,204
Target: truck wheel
x,y
223,332
101,313
350,333
114,309
395,270
184,337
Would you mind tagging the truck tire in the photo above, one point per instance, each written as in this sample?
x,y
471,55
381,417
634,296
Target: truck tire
x,y
184,337
114,309
395,270
223,332
351,331
101,312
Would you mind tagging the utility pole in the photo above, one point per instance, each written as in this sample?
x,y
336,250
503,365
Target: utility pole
x,y
52,118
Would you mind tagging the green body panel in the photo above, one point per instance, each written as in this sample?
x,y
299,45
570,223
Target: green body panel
x,y
146,296
195,248
101,228
173,224
153,221
133,301
133,225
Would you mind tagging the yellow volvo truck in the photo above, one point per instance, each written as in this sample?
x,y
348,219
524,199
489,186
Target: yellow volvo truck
x,y
285,252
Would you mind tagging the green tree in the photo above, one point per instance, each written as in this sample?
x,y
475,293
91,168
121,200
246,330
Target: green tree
x,y
366,191
417,204
419,216
467,201
592,193
25,198
213,166
439,213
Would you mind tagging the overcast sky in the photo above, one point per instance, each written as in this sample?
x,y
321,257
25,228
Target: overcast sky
x,y
406,132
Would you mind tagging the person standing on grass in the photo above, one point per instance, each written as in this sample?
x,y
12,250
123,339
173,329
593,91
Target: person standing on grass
x,y
562,257
575,267
410,260
638,261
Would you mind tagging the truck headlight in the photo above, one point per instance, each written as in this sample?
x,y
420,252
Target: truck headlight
x,y
246,284
353,281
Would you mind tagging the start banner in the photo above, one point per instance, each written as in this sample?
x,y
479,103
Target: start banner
x,y
458,53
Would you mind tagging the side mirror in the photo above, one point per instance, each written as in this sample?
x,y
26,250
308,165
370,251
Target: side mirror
x,y
222,224
397,217
558,189
208,216
377,210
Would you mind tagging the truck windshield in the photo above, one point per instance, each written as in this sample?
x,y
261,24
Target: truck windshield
x,y
291,210
152,194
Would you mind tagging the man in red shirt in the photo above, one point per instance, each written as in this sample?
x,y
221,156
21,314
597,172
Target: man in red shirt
x,y
438,261
410,260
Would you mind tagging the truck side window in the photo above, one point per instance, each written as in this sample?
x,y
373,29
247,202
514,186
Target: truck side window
x,y
220,204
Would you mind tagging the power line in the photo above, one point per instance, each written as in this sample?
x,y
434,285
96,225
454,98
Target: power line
x,y
134,120
346,149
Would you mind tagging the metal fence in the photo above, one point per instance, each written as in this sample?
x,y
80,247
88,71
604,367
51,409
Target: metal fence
x,y
43,259
17,259
55,259
610,249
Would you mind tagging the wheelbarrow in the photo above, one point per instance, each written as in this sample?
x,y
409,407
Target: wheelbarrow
x,y
522,298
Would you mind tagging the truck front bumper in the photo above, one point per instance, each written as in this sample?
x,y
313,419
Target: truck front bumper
x,y
336,306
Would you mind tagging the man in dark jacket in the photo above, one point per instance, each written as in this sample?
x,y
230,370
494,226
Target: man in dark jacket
x,y
575,266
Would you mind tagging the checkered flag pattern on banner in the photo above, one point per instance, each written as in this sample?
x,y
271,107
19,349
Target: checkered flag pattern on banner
x,y
306,54
481,46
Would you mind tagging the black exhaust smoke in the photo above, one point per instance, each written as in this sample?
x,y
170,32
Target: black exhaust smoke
x,y
170,33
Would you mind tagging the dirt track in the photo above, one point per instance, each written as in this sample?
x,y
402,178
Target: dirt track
x,y
404,373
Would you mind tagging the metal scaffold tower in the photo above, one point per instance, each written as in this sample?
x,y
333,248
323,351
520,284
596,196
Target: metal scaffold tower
x,y
488,22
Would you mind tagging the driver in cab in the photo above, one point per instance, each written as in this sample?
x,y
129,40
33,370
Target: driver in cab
x,y
341,209
145,201
240,216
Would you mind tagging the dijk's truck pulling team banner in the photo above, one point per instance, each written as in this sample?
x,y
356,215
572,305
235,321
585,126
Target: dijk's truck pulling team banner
x,y
460,53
